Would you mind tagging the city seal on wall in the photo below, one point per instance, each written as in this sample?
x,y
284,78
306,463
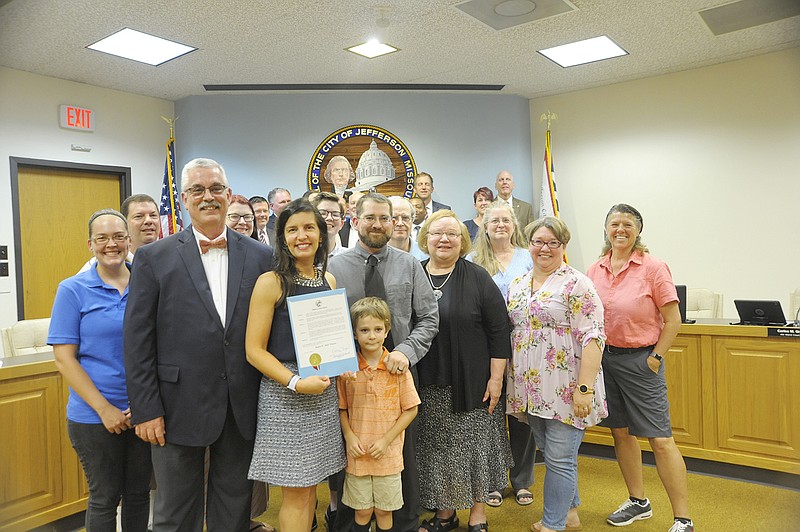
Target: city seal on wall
x,y
362,158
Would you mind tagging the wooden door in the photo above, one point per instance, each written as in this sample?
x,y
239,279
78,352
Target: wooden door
x,y
54,206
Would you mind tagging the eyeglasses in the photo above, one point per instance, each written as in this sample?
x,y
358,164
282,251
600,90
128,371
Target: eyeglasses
x,y
449,235
370,219
103,239
333,214
402,218
553,244
236,217
198,192
497,221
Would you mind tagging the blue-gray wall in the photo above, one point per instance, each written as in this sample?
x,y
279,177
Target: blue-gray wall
x,y
264,141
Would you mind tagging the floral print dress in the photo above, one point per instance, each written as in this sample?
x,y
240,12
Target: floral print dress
x,y
549,328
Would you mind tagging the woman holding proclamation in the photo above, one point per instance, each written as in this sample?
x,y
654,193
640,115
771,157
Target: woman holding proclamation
x,y
86,335
642,320
462,446
298,438
555,380
500,248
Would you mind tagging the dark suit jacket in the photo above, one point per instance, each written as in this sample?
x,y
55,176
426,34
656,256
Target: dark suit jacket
x,y
271,229
181,363
439,206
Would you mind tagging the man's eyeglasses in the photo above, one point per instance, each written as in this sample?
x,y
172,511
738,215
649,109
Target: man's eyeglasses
x,y
370,219
336,215
198,192
402,218
103,239
236,217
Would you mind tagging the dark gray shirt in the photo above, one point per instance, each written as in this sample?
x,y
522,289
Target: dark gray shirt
x,y
415,314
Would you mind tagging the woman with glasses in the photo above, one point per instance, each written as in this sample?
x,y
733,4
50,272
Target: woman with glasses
x,y
500,248
86,335
554,379
462,445
241,216
482,198
642,321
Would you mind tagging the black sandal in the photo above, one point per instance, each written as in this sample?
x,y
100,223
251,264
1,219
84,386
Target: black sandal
x,y
437,524
479,527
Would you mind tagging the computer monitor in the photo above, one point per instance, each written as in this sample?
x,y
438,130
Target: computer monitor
x,y
754,312
681,288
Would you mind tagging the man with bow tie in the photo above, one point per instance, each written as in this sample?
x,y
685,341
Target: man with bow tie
x,y
189,383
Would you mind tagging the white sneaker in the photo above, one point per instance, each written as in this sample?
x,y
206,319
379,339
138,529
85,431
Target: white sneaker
x,y
680,526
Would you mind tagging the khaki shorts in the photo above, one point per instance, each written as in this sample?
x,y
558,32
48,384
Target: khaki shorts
x,y
381,492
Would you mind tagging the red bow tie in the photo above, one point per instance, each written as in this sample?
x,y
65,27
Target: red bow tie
x,y
219,243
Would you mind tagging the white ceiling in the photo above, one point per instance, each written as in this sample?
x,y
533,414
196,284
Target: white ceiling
x,y
303,41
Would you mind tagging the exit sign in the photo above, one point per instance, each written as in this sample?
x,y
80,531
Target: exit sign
x,y
76,118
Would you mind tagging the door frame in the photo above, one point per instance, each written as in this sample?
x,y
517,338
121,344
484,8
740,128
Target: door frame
x,y
123,174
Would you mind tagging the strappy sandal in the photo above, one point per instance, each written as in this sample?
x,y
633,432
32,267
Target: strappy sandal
x,y
437,524
478,527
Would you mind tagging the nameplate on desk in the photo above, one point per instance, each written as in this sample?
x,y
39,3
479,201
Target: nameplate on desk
x,y
784,332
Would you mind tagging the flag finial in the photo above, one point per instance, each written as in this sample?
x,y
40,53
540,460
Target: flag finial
x,y
171,122
550,117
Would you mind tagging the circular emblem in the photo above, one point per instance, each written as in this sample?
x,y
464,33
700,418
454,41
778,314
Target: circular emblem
x,y
361,158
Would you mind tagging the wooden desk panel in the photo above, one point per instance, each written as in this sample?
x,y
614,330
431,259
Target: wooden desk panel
x,y
41,479
734,396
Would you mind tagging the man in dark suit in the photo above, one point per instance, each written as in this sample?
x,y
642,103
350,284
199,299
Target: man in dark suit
x,y
423,188
189,384
522,209
278,199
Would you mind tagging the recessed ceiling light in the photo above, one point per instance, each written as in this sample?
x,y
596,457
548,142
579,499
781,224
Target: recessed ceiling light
x,y
372,48
514,8
581,52
132,44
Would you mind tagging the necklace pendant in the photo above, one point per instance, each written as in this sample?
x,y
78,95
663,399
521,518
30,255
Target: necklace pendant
x,y
437,294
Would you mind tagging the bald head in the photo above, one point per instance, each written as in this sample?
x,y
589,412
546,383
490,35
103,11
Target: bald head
x,y
504,184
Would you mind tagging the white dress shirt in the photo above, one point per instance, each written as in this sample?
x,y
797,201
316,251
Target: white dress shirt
x,y
215,264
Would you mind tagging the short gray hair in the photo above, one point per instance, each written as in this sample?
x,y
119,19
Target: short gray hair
x,y
200,162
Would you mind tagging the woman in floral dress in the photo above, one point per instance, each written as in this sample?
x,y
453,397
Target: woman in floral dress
x,y
554,377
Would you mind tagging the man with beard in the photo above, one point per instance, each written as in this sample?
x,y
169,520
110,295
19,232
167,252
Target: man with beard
x,y
409,294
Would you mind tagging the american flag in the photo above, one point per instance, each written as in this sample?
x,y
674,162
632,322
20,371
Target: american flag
x,y
170,209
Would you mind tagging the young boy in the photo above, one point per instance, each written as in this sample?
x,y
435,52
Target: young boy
x,y
375,408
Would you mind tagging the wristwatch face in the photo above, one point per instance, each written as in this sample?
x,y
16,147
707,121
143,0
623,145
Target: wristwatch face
x,y
583,388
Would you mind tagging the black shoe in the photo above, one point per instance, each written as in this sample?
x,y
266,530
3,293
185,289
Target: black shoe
x,y
330,518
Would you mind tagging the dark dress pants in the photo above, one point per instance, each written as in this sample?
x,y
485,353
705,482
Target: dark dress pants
x,y
179,473
523,450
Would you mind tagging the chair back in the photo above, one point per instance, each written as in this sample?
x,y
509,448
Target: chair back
x,y
27,337
703,303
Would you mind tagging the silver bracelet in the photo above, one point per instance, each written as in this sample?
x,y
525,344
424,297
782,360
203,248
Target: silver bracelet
x,y
293,383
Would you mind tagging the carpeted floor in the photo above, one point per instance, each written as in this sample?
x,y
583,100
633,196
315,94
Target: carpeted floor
x,y
717,504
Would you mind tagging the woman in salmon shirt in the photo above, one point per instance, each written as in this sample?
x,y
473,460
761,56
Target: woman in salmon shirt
x,y
642,320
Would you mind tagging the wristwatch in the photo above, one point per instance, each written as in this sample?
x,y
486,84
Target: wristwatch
x,y
657,356
293,383
585,390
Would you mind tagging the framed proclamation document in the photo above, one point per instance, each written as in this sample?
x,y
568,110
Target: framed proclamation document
x,y
323,334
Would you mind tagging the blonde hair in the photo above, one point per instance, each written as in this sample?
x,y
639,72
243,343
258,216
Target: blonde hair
x,y
371,307
624,208
422,237
484,253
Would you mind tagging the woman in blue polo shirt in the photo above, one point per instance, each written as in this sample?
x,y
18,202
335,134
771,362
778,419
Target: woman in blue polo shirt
x,y
86,335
